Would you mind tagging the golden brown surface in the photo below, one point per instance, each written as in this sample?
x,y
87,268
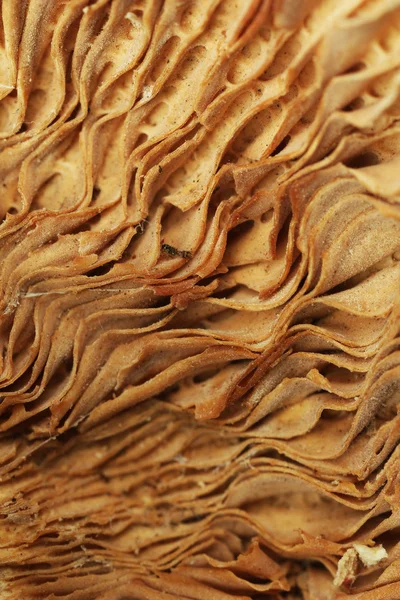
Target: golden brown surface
x,y
199,299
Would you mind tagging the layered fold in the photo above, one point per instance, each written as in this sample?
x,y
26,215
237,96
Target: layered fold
x,y
199,299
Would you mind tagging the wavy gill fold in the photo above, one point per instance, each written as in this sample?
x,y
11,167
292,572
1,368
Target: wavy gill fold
x,y
199,299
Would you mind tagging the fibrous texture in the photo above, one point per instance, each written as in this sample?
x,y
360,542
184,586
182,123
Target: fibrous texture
x,y
199,299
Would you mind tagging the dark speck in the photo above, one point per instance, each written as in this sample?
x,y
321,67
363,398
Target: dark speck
x,y
171,251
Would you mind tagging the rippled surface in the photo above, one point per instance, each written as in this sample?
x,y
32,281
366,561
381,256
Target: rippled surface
x,y
199,299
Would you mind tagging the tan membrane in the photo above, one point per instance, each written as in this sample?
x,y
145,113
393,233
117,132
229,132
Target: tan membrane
x,y
199,299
